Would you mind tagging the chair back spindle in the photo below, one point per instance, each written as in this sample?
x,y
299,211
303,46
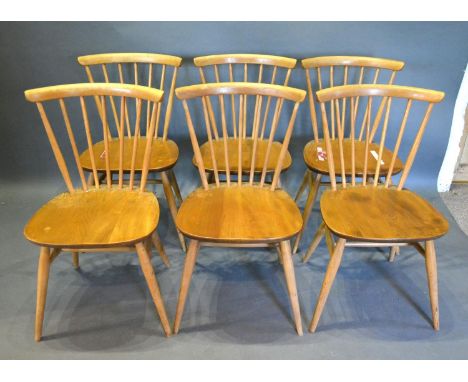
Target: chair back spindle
x,y
103,94
247,133
396,100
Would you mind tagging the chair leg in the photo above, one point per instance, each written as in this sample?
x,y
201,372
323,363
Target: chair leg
x,y
76,259
280,256
330,274
393,252
160,248
308,209
42,281
288,267
190,259
315,242
90,181
330,241
302,187
152,282
431,269
175,185
172,205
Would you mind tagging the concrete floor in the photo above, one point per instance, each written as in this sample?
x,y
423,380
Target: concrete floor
x,y
237,306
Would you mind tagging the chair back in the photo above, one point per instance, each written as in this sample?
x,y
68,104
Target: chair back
x,y
329,71
260,68
77,96
398,100
248,133
147,69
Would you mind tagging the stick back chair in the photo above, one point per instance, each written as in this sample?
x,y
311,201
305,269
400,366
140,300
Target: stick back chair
x,y
148,69
238,212
258,68
372,213
329,71
98,217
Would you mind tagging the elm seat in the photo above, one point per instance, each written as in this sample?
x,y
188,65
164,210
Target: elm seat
x,y
164,155
94,218
388,215
247,149
311,157
245,214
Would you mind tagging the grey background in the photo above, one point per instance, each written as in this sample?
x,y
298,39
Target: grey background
x,y
237,305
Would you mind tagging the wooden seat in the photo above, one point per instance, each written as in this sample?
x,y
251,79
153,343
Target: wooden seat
x,y
256,214
95,218
240,212
149,69
247,150
316,159
365,211
235,67
164,155
385,215
98,217
342,70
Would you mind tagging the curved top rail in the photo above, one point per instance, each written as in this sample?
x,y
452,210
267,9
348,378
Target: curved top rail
x,y
408,92
49,93
249,88
372,62
116,58
241,58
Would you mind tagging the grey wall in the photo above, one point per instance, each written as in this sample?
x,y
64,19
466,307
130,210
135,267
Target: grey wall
x,y
39,54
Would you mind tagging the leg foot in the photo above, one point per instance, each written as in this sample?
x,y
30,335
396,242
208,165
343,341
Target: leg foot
x,y
190,259
288,267
153,286
42,282
330,274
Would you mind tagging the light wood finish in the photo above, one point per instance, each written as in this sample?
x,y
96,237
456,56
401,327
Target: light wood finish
x,y
248,146
95,216
288,266
367,212
76,260
101,218
236,88
431,269
148,272
236,214
264,69
172,205
360,61
316,165
190,259
42,282
156,240
116,58
330,274
164,155
239,212
50,93
346,70
243,58
150,69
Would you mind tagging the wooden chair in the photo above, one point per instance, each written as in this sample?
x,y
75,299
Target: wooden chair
x,y
100,217
150,70
258,68
239,213
331,71
363,213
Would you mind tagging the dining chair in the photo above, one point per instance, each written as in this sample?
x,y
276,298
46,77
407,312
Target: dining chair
x,y
239,213
151,70
363,213
232,67
329,71
99,217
